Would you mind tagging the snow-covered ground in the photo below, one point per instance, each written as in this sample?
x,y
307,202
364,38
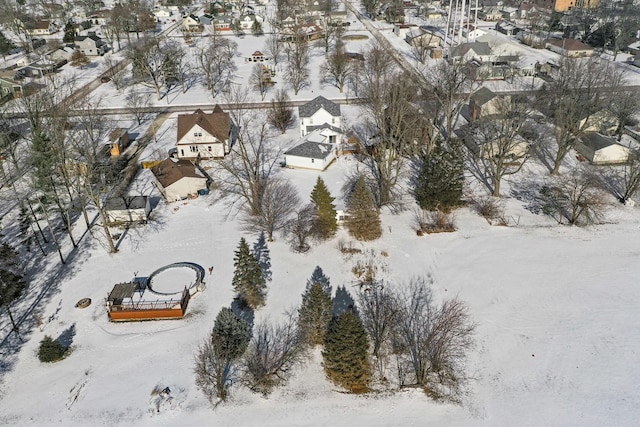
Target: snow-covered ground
x,y
557,341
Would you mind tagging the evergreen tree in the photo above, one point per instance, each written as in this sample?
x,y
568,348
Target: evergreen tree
x,y
43,158
5,44
318,276
248,280
263,256
50,350
346,353
217,358
12,282
363,218
326,223
69,33
315,312
441,177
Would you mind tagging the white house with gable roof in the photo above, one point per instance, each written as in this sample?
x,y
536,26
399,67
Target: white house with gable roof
x,y
315,152
317,112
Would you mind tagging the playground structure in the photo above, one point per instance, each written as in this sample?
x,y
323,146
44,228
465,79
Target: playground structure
x,y
138,300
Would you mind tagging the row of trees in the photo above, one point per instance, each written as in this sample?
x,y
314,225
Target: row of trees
x,y
387,329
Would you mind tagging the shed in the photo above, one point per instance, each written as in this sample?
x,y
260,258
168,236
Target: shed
x,y
128,209
118,141
602,150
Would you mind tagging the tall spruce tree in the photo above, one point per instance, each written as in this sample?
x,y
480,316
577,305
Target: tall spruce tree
x,y
248,280
315,312
440,180
12,282
363,218
69,33
346,353
217,358
263,256
326,223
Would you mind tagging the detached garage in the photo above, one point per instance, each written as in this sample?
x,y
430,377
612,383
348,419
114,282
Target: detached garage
x,y
602,150
178,179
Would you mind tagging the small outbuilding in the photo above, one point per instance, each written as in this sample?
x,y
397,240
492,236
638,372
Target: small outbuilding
x,y
602,150
128,210
179,179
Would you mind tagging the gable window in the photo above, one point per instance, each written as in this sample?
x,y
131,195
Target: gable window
x,y
313,160
197,134
209,147
311,121
193,148
333,120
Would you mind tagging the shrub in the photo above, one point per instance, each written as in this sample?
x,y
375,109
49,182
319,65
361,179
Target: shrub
x,y
50,350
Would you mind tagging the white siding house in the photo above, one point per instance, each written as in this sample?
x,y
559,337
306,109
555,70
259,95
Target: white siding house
x,y
602,150
316,151
317,112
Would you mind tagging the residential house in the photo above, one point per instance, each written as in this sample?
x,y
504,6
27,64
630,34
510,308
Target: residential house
x,y
338,18
100,17
162,15
222,23
492,13
602,150
205,135
316,112
192,23
127,210
60,56
569,47
302,33
91,45
257,56
472,33
432,14
483,103
40,28
565,5
246,22
603,121
426,40
402,30
509,13
486,149
178,179
207,20
9,89
508,28
476,51
317,150
36,70
118,141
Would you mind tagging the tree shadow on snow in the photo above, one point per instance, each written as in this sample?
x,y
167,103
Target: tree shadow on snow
x,y
66,337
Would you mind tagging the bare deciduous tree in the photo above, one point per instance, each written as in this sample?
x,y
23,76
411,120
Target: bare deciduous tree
x,y
215,61
278,202
258,80
576,91
280,114
138,104
502,140
337,67
273,48
300,228
297,73
576,197
378,311
272,352
432,340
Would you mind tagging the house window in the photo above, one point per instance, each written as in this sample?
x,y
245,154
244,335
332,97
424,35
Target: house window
x,y
197,134
310,121
193,148
333,120
313,160
209,147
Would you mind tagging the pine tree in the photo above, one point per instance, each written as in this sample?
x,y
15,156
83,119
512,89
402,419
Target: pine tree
x,y
12,281
440,180
50,350
326,223
262,254
315,312
363,218
346,353
216,359
248,280
69,33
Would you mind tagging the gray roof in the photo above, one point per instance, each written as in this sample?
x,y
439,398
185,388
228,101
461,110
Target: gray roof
x,y
121,291
596,141
483,95
480,48
323,126
310,108
126,202
312,150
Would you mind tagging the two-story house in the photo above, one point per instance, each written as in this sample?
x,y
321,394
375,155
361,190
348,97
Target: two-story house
x,y
91,45
205,135
318,112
